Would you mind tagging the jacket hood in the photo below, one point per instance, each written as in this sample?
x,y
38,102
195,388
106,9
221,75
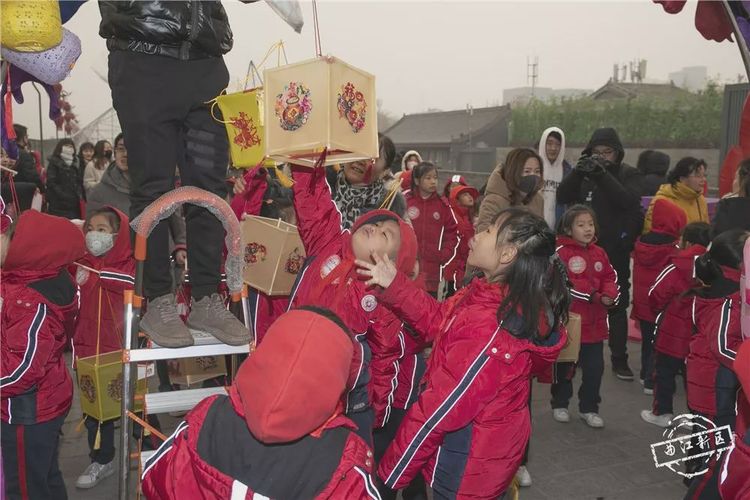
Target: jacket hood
x,y
550,167
454,179
292,384
678,191
407,252
684,261
667,218
606,137
121,251
653,255
652,162
408,154
61,244
456,192
115,178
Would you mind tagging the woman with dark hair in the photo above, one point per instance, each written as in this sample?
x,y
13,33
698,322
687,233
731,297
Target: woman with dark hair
x,y
97,165
517,182
684,188
733,211
64,193
654,166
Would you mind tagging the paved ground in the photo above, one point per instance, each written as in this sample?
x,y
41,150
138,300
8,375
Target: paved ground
x,y
568,461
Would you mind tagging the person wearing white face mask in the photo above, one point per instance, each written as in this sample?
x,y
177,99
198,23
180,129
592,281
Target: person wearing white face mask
x,y
64,191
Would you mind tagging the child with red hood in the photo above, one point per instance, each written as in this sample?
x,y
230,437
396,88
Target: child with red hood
x,y
454,182
281,432
671,302
463,202
651,255
39,301
104,273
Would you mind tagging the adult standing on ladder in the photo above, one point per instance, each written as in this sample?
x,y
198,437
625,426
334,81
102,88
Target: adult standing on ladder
x,y
165,62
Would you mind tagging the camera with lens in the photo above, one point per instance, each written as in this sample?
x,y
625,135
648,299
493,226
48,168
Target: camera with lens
x,y
591,164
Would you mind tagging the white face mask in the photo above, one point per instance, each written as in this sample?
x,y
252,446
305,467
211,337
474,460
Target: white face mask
x,y
67,154
410,165
99,243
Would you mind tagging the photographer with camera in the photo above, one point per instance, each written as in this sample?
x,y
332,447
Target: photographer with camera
x,y
613,189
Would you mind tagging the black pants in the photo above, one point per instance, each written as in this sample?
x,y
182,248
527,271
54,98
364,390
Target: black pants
x,y
416,490
591,363
160,105
618,316
106,452
647,346
666,368
30,460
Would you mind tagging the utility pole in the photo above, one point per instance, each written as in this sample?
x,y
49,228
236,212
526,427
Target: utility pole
x,y
532,73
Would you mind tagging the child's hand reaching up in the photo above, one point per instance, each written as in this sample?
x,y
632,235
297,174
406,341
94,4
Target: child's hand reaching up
x,y
382,272
607,301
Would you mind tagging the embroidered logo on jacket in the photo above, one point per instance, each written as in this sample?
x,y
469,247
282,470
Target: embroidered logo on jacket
x,y
329,265
577,264
598,266
369,303
436,215
413,212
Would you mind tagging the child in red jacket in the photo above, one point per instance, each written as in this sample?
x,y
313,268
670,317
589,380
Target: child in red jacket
x,y
712,382
280,433
462,200
467,432
594,290
434,223
105,272
735,476
39,303
651,255
671,302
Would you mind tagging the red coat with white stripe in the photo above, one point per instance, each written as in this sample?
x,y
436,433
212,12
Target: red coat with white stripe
x,y
673,307
104,319
714,345
591,276
467,432
455,270
436,227
39,303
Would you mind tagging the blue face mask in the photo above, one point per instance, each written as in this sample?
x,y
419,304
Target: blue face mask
x,y
99,243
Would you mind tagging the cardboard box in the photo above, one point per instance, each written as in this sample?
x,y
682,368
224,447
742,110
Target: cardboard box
x,y
317,104
573,346
100,385
273,254
191,371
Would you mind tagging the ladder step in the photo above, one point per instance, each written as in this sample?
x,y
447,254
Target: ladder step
x,y
145,455
165,402
205,345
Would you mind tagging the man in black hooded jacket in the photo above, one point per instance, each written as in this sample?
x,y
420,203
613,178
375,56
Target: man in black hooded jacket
x,y
613,190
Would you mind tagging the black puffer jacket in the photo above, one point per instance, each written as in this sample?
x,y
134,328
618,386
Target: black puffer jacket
x,y
64,191
174,28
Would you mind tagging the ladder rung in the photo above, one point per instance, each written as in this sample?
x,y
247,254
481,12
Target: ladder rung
x,y
165,402
205,345
145,455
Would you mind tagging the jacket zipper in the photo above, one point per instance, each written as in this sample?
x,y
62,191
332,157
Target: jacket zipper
x,y
192,32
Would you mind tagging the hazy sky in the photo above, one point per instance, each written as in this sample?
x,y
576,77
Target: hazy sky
x,y
444,54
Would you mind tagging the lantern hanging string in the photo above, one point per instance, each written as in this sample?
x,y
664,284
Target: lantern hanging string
x,y
316,27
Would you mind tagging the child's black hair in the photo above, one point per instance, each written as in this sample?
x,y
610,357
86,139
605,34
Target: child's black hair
x,y
697,233
422,169
565,224
111,215
537,281
725,250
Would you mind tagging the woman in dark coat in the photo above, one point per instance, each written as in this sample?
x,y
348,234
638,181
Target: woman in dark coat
x,y
733,211
64,191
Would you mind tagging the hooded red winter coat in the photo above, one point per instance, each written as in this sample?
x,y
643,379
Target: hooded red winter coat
x,y
712,384
467,432
437,234
116,274
328,279
591,276
652,254
279,433
455,270
455,179
39,305
672,306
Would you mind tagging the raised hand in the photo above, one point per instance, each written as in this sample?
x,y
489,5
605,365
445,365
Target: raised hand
x,y
381,270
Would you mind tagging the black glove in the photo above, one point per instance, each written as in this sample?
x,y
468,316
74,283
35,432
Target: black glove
x,y
591,166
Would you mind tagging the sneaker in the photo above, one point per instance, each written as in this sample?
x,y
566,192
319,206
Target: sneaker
x,y
648,391
561,415
623,371
163,325
209,315
523,476
658,420
593,420
94,474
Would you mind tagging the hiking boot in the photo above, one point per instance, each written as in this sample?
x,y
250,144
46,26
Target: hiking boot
x,y
94,474
209,315
658,420
593,420
561,415
623,371
523,476
163,325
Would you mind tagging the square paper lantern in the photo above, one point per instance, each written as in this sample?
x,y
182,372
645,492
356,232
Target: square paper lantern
x,y
100,385
273,254
317,104
243,119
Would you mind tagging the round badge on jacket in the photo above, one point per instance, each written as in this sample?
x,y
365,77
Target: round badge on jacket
x,y
413,212
577,264
436,215
598,266
369,303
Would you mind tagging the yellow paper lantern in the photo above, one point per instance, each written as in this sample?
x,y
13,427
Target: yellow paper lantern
x,y
30,25
100,385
